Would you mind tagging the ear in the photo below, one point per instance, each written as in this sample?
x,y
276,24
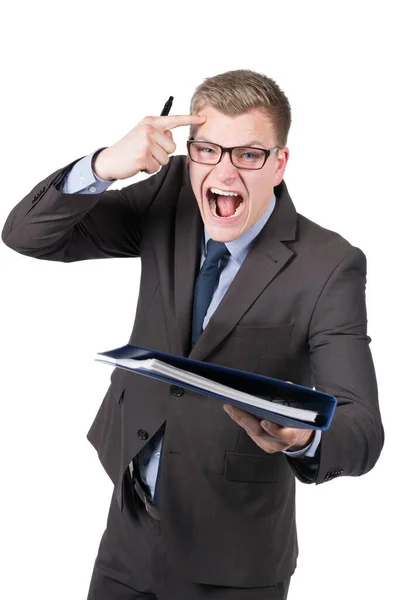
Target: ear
x,y
187,163
281,163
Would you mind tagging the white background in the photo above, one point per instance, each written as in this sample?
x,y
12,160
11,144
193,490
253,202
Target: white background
x,y
80,75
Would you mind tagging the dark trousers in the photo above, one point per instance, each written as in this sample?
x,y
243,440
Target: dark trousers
x,y
132,564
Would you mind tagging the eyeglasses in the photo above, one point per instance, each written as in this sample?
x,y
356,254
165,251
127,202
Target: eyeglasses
x,y
242,157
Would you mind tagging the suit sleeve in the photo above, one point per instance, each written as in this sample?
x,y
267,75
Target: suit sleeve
x,y
51,225
342,365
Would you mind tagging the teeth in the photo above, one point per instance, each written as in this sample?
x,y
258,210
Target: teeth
x,y
222,193
213,206
237,211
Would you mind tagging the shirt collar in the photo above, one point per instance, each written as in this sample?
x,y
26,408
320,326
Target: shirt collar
x,y
240,247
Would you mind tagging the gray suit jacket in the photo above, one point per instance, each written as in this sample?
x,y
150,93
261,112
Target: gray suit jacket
x,y
295,310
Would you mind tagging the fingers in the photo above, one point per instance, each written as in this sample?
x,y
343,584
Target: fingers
x,y
292,437
151,166
161,146
145,148
267,435
157,140
165,141
270,445
276,431
156,148
159,155
284,435
170,122
244,419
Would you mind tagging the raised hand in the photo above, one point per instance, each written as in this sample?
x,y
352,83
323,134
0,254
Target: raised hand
x,y
145,148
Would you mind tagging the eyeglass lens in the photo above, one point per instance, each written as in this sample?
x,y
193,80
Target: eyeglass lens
x,y
209,154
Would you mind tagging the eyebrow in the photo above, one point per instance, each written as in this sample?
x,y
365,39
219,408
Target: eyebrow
x,y
252,143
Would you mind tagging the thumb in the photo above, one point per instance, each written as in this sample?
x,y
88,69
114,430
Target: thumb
x,y
168,133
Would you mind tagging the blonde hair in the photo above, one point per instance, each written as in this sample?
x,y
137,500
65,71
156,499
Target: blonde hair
x,y
235,92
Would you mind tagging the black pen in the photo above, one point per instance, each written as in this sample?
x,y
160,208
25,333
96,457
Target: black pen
x,y
164,113
167,107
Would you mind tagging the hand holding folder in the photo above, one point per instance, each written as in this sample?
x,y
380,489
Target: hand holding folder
x,y
281,402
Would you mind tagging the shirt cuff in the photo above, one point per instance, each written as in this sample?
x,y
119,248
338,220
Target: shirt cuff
x,y
107,181
82,179
310,450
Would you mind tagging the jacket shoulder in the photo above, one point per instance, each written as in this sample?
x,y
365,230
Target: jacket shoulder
x,y
322,242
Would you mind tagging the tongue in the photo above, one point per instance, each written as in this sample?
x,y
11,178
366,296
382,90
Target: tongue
x,y
227,205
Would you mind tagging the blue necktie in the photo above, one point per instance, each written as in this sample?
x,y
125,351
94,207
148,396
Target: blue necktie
x,y
204,288
205,285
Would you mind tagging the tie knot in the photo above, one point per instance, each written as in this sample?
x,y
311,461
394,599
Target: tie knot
x,y
215,251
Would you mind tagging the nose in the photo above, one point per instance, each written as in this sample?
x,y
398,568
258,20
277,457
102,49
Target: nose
x,y
226,171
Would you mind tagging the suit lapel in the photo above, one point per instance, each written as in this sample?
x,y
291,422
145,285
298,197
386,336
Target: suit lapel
x,y
188,232
265,260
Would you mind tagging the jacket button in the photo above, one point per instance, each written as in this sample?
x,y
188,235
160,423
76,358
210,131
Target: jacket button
x,y
176,390
142,434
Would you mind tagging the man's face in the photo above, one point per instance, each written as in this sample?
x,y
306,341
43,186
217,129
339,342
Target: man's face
x,y
254,187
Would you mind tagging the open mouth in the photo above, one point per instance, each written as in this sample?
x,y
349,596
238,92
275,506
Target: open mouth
x,y
224,204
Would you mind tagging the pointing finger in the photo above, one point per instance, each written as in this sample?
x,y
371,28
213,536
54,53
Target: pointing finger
x,y
170,122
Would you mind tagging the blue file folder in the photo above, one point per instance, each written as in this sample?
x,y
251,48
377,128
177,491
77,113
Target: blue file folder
x,y
268,388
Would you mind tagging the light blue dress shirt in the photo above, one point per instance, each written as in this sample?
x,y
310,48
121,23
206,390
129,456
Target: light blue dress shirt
x,y
82,180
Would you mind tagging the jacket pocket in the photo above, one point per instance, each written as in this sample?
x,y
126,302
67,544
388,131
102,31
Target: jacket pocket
x,y
246,347
253,468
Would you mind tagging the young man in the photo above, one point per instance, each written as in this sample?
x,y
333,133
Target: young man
x,y
204,503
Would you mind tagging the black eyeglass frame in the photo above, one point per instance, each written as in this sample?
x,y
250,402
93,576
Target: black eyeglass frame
x,y
267,153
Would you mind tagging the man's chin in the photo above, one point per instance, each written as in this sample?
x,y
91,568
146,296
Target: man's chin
x,y
223,232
